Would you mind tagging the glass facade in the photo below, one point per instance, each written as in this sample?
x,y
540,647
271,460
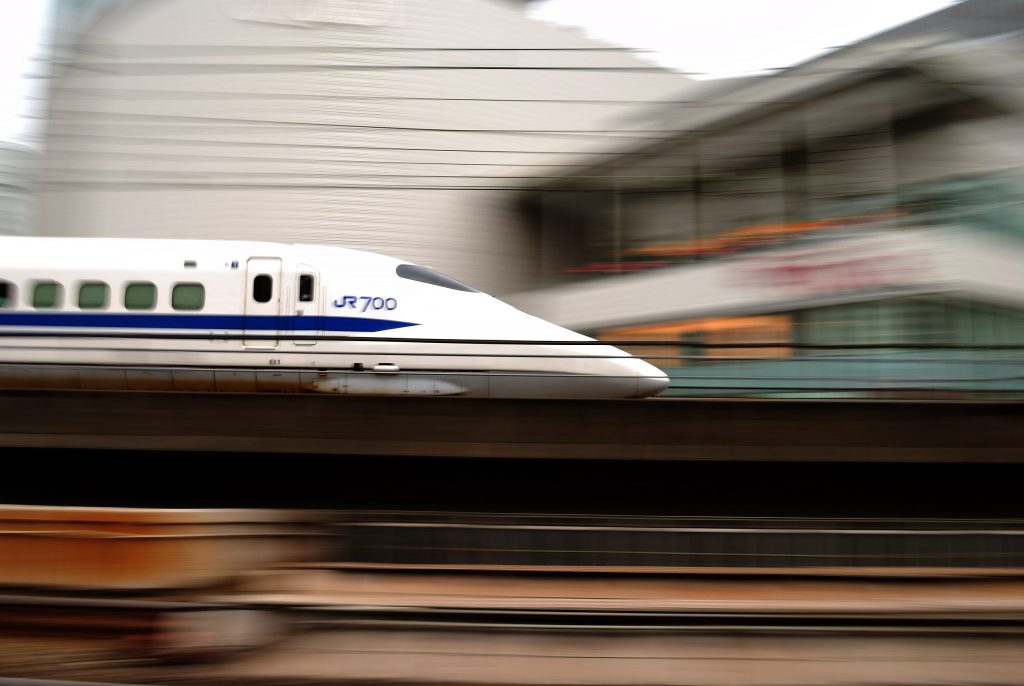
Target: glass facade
x,y
889,347
643,231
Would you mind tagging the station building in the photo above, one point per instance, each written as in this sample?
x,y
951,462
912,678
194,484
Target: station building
x,y
871,198
404,127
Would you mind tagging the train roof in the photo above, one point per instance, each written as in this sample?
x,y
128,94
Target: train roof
x,y
77,251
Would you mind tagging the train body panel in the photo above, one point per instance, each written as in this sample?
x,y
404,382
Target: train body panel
x,y
236,315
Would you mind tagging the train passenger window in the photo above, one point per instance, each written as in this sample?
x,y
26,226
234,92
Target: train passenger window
x,y
188,296
262,288
47,294
414,272
306,285
93,295
6,294
139,295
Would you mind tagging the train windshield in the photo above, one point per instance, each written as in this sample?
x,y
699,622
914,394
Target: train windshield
x,y
415,272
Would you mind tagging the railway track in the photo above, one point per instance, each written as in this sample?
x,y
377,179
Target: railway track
x,y
421,629
98,616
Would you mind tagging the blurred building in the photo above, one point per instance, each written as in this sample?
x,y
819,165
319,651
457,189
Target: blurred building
x,y
872,196
399,126
18,164
20,160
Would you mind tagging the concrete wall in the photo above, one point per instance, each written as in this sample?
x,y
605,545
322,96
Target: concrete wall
x,y
246,119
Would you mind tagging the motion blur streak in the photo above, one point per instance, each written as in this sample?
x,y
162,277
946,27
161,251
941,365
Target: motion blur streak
x,y
815,268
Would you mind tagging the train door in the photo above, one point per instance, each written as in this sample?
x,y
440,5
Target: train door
x,y
308,305
262,302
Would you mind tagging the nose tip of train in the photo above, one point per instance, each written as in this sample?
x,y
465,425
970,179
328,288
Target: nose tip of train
x,y
652,383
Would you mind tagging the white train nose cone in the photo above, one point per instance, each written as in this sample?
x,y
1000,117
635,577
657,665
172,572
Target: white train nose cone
x,y
652,383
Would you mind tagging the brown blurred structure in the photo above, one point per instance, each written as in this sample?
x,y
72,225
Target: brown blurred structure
x,y
83,549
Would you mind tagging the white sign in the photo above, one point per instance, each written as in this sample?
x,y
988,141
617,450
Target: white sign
x,y
879,263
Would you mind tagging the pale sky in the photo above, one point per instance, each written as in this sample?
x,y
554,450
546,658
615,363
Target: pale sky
x,y
720,38
707,38
21,25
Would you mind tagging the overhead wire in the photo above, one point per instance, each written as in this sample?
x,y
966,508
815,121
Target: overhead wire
x,y
227,95
328,146
637,134
175,118
327,160
228,48
128,68
618,343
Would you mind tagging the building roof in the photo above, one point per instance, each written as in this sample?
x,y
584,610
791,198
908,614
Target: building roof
x,y
983,67
941,39
967,19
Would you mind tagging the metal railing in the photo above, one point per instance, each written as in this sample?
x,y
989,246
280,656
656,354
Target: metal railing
x,y
652,544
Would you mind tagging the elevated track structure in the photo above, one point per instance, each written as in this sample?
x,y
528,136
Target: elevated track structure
x,y
650,429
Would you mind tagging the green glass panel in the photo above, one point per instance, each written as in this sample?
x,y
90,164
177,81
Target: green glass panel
x,y
93,295
46,294
188,296
140,295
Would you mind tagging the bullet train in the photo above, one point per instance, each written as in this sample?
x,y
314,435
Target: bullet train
x,y
191,315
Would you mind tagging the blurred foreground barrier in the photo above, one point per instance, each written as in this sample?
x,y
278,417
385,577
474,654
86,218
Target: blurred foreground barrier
x,y
141,549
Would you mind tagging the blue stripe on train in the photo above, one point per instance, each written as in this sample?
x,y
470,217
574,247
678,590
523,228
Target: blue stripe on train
x,y
200,321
